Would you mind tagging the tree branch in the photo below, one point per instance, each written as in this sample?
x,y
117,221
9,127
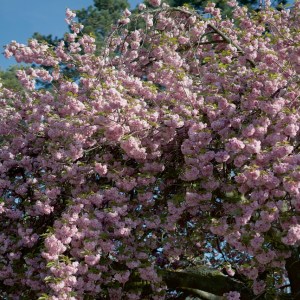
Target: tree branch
x,y
202,294
198,16
207,280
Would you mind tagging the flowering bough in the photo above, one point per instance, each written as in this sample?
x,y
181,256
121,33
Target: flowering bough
x,y
171,167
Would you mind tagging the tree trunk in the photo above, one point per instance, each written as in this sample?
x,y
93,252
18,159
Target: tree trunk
x,y
293,269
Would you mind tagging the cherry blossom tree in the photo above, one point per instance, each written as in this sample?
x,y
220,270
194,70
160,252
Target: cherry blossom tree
x,y
168,170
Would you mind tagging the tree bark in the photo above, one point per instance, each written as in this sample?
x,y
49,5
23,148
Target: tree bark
x,y
207,280
203,295
293,269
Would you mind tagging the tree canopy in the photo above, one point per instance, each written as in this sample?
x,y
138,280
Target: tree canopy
x,y
169,168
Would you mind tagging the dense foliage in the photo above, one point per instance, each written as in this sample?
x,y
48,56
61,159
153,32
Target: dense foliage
x,y
169,169
9,79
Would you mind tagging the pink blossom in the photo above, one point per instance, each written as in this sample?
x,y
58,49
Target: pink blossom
x,y
155,2
219,228
124,21
229,271
234,145
248,131
240,160
183,40
292,236
265,258
8,54
92,260
232,296
191,173
222,156
100,169
258,287
126,13
54,246
122,278
253,147
69,15
133,264
262,226
232,3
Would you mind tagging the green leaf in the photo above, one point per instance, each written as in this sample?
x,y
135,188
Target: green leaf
x,y
50,264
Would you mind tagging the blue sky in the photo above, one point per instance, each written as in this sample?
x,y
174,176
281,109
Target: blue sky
x,y
19,19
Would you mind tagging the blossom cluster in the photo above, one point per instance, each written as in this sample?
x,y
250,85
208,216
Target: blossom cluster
x,y
184,144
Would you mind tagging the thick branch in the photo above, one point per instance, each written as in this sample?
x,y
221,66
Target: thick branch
x,y
293,267
202,294
207,280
